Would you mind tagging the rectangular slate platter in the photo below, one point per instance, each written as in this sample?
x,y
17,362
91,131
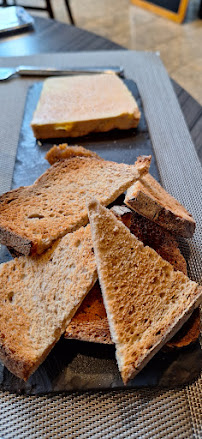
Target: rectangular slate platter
x,y
74,365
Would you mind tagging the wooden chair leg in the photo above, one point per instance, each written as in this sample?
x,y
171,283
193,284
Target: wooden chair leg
x,y
70,12
49,8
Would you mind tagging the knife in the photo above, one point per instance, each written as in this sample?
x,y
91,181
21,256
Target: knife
x,y
6,73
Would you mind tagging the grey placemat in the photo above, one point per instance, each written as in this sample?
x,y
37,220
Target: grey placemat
x,y
123,414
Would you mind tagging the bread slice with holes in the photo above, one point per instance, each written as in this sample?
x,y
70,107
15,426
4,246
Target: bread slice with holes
x,y
65,151
148,198
32,217
90,324
146,300
38,297
90,321
77,105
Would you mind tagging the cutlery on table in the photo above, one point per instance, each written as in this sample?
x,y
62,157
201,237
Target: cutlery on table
x,y
9,72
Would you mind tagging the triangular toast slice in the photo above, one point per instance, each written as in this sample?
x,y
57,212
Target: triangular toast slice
x,y
32,217
90,321
145,299
38,297
90,324
150,199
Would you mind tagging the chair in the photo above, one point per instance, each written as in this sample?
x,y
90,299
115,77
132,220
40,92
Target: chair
x,y
47,8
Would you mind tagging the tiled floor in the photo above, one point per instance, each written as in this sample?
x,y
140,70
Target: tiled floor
x,y
180,46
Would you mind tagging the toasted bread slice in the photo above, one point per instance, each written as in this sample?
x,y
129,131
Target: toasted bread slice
x,y
64,151
145,299
32,217
148,198
90,324
153,235
39,295
77,105
189,333
90,321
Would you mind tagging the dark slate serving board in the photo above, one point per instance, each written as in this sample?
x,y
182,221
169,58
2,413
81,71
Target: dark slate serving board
x,y
118,146
73,365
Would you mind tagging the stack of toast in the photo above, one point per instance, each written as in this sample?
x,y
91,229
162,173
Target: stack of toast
x,y
120,279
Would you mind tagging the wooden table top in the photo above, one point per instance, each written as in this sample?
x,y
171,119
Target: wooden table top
x,y
51,36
